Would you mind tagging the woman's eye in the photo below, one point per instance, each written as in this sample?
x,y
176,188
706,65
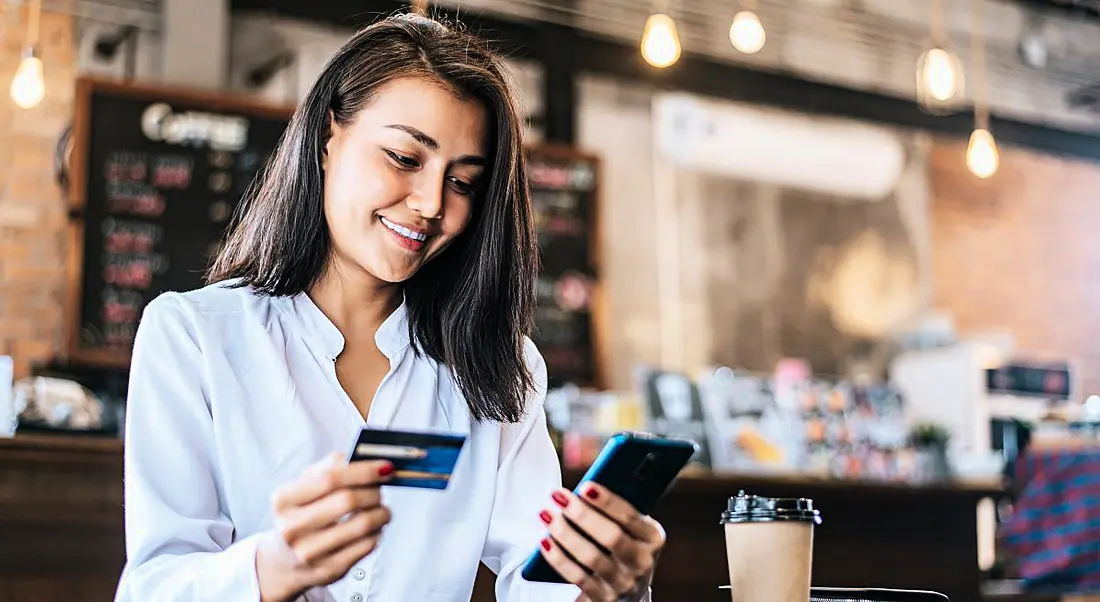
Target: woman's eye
x,y
402,161
463,188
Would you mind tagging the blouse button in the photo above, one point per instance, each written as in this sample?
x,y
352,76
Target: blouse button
x,y
358,574
357,598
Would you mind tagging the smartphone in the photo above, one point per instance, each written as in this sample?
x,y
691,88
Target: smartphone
x,y
637,467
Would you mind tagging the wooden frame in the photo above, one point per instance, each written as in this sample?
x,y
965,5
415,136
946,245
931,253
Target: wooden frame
x,y
86,89
600,350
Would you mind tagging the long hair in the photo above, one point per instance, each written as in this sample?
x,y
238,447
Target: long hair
x,y
471,306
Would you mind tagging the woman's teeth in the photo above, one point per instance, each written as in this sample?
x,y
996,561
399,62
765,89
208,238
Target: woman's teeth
x,y
403,231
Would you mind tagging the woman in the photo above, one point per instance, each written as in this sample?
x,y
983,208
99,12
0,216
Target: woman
x,y
380,274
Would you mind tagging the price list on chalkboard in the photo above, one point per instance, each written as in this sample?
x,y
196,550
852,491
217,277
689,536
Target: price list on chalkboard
x,y
564,188
162,173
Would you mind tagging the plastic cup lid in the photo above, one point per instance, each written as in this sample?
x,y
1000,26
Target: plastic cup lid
x,y
754,508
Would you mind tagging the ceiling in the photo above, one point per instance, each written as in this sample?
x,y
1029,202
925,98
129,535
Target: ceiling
x,y
874,45
1082,7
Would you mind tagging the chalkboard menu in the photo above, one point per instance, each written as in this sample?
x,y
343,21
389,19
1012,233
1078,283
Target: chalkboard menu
x,y
565,194
155,177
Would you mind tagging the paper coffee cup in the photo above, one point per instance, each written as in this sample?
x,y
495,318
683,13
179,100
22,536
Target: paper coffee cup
x,y
769,547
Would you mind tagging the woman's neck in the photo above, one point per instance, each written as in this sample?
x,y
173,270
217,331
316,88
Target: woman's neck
x,y
357,303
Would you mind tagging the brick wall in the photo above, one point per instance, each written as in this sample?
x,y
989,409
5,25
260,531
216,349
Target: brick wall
x,y
33,223
1020,252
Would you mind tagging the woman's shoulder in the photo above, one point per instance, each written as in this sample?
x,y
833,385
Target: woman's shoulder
x,y
535,362
221,305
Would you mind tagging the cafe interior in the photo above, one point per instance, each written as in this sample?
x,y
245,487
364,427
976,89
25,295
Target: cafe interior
x,y
845,246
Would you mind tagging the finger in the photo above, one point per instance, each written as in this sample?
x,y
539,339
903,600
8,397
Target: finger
x,y
362,473
633,553
300,522
307,487
320,480
337,564
360,525
588,555
620,511
591,586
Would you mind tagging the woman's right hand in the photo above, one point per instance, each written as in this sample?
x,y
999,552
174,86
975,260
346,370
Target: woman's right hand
x,y
326,521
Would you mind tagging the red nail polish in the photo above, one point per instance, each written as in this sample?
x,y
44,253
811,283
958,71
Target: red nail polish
x,y
545,517
591,493
385,470
546,544
560,499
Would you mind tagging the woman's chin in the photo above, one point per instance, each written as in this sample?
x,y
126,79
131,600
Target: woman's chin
x,y
393,274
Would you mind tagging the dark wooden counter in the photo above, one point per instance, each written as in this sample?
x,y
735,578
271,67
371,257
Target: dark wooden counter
x,y
872,534
61,528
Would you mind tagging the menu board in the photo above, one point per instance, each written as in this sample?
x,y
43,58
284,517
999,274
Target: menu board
x,y
564,191
156,176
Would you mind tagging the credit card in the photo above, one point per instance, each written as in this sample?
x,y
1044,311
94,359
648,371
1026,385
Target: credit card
x,y
424,460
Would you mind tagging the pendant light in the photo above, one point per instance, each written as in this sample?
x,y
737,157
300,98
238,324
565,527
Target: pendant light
x,y
940,76
982,157
747,32
28,87
660,40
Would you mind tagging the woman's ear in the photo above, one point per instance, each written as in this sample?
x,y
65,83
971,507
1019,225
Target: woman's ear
x,y
329,131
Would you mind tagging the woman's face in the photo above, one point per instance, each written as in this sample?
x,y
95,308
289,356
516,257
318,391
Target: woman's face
x,y
400,178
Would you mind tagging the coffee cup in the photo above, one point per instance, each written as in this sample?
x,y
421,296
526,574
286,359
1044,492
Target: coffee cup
x,y
769,547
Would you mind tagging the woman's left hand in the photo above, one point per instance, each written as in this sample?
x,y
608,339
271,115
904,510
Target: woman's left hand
x,y
621,565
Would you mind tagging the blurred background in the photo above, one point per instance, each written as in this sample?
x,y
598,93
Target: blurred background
x,y
848,246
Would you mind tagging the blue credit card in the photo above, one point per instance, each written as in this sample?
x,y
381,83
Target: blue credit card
x,y
424,460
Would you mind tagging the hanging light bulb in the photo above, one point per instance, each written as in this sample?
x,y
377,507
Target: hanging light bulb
x,y
28,87
939,71
747,32
660,42
939,76
982,156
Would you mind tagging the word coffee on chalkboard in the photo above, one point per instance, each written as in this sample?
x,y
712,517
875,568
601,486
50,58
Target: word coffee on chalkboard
x,y
157,176
564,196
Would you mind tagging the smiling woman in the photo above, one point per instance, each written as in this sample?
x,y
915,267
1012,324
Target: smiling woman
x,y
416,159
379,273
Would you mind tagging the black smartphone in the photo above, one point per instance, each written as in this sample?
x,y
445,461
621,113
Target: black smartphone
x,y
637,467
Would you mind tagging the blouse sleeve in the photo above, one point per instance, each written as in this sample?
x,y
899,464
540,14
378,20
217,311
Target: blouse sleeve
x,y
529,472
180,545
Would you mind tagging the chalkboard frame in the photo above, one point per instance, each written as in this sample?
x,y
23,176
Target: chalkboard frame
x,y
598,314
86,89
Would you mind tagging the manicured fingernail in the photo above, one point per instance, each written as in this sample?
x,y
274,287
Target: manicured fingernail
x,y
545,517
385,470
560,499
546,544
591,493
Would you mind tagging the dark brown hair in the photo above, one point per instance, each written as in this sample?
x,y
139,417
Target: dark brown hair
x,y
471,306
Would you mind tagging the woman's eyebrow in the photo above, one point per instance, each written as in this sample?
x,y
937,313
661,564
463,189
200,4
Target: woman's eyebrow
x,y
417,135
432,145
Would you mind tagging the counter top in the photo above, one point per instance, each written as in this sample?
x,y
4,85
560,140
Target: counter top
x,y
61,443
108,451
64,494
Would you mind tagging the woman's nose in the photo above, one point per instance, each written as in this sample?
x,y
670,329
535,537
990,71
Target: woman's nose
x,y
427,200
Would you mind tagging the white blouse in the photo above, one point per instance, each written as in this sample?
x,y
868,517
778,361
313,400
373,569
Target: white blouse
x,y
233,394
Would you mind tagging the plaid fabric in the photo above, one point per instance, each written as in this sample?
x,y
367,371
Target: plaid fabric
x,y
1053,534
